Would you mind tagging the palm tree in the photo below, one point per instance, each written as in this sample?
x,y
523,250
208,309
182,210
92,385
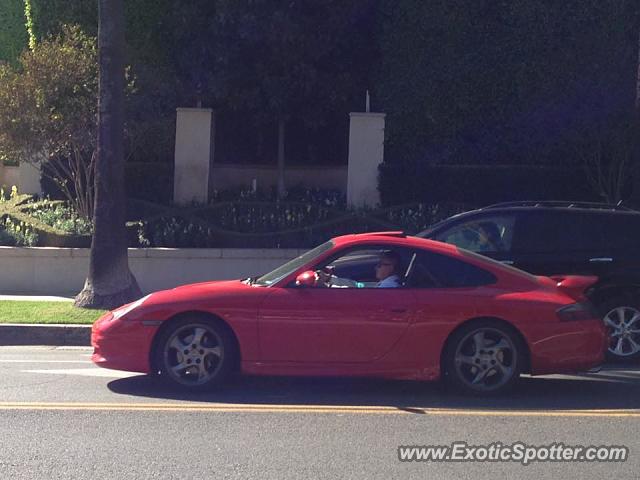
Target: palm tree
x,y
110,282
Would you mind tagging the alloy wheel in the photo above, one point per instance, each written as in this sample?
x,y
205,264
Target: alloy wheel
x,y
485,359
624,331
193,354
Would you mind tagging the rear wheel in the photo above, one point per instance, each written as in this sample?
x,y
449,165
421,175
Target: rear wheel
x,y
195,354
484,358
621,316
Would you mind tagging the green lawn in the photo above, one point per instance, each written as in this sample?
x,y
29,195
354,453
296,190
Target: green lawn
x,y
17,311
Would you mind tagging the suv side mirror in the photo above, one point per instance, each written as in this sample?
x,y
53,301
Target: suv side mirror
x,y
307,279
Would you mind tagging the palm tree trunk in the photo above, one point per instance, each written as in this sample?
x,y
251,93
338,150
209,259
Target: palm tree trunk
x,y
110,282
281,154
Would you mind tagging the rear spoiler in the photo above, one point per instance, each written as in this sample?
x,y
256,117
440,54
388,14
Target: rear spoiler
x,y
574,285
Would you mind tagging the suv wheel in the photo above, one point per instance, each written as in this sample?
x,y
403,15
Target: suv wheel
x,y
621,315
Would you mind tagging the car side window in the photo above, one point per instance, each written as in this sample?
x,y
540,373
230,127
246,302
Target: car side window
x,y
623,231
485,234
434,270
558,232
356,267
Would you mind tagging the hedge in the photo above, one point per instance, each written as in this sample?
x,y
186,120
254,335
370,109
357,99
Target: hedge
x,y
17,208
151,181
239,224
479,184
13,34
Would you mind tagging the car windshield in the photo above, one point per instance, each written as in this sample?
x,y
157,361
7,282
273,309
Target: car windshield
x,y
289,267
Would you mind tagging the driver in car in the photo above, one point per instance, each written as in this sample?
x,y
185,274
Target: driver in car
x,y
387,274
387,270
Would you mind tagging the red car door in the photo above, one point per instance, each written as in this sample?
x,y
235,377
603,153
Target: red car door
x,y
332,325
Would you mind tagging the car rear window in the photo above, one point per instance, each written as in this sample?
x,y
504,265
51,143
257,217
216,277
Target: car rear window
x,y
437,270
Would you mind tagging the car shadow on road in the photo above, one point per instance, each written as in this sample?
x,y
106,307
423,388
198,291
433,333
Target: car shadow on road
x,y
611,388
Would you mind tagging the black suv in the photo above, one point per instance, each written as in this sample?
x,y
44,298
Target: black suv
x,y
563,238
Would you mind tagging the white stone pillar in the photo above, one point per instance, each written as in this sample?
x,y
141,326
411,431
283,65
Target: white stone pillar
x,y
194,144
29,178
366,152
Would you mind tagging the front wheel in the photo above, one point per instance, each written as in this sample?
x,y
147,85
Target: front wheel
x,y
483,358
195,354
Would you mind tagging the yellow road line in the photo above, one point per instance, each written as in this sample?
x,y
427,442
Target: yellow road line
x,y
348,409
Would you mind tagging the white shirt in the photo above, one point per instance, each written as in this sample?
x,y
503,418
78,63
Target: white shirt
x,y
392,281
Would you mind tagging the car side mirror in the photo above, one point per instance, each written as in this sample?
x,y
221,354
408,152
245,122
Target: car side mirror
x,y
307,279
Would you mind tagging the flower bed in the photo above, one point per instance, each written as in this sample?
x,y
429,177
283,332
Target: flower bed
x,y
26,221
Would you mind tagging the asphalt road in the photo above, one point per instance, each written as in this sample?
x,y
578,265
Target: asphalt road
x,y
61,417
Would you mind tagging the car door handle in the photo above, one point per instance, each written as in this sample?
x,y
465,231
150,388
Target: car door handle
x,y
507,262
601,260
399,310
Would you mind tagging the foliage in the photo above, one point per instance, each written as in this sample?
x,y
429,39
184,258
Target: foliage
x,y
48,112
502,82
49,16
317,196
152,181
13,36
14,232
25,220
401,183
6,239
58,215
413,218
18,234
288,62
238,223
609,153
28,13
276,224
288,58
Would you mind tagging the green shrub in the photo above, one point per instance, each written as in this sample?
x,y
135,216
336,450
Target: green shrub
x,y
401,183
18,234
60,216
151,181
27,230
25,221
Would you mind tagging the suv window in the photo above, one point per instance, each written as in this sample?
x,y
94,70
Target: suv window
x,y
485,234
563,231
435,270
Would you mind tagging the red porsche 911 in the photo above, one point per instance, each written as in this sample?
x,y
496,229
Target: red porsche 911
x,y
378,304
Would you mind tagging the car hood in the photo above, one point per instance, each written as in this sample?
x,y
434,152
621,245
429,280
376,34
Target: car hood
x,y
201,291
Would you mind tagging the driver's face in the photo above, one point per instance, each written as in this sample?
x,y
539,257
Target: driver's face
x,y
384,268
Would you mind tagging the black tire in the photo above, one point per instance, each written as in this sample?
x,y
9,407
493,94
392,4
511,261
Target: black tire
x,y
498,362
195,354
622,338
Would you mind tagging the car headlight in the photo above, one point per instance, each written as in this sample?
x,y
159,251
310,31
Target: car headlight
x,y
122,311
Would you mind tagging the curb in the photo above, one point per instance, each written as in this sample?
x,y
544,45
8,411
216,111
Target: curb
x,y
37,334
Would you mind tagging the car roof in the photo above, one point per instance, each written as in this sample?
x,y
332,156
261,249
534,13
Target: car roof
x,y
396,238
561,204
532,206
402,240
